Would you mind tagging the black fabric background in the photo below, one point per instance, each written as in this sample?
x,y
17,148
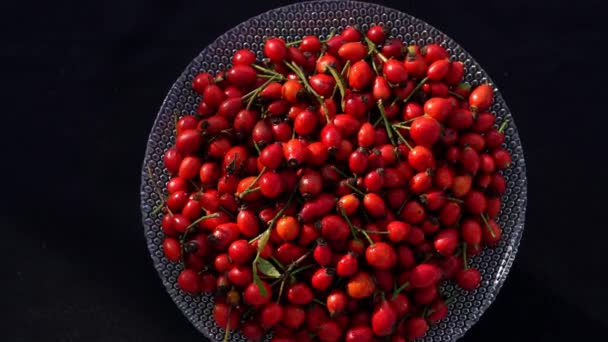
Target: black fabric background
x,y
81,85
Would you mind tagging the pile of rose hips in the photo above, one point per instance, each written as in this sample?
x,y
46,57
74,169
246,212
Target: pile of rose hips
x,y
326,192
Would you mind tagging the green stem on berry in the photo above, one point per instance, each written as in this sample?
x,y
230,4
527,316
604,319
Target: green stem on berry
x,y
372,48
257,147
377,232
369,239
345,69
249,189
227,333
401,126
416,88
456,95
503,126
353,231
401,288
354,188
268,71
403,139
452,199
339,84
487,224
188,231
389,129
342,173
296,69
401,207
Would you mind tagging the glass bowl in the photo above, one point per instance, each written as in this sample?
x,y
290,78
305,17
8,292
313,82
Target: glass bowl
x,y
319,18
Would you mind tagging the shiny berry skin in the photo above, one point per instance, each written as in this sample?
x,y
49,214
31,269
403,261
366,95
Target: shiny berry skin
x,y
240,275
299,294
384,318
275,49
271,314
295,152
323,255
347,266
491,233
483,122
352,51
468,279
323,278
213,96
271,185
421,182
374,205
201,81
310,44
329,331
376,34
241,75
438,311
394,71
243,57
434,52
381,256
481,97
360,333
425,275
425,131
374,180
334,228
360,285
502,158
421,158
446,241
351,34
455,74
188,282
475,202
416,327
438,108
252,295
336,302
349,203
293,316
172,249
357,162
240,251
360,76
413,212
397,231
438,70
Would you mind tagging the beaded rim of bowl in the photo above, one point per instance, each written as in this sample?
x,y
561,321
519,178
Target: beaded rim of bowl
x,y
319,17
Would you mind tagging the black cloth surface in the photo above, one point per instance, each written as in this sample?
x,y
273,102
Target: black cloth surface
x,y
82,83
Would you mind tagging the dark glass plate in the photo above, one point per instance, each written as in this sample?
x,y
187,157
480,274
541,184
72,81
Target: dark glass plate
x,y
319,18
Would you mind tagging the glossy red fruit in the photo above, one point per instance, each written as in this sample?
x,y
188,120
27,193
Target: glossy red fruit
x,y
293,316
425,275
329,331
240,275
374,205
380,89
425,131
295,152
438,108
416,327
336,302
502,158
381,255
481,97
201,81
360,285
455,74
413,212
438,70
351,34
253,295
271,314
347,266
360,76
226,317
352,51
384,319
395,72
299,294
446,241
421,158
172,249
468,279
275,49
437,311
241,75
360,333
188,282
